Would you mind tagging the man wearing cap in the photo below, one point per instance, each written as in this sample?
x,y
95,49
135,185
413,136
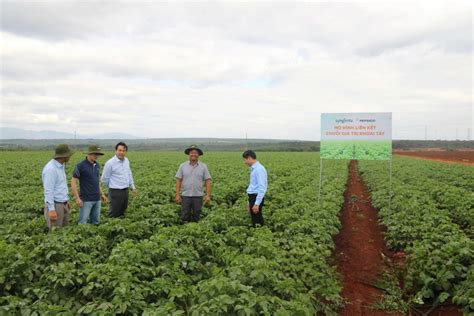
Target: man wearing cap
x,y
118,178
88,201
190,178
56,195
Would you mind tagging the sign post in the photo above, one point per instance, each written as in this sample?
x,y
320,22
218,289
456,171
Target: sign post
x,y
357,136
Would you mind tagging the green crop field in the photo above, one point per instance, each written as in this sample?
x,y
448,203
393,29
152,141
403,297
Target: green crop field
x,y
356,149
148,263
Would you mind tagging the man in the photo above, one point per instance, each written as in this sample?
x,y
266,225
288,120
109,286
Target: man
x,y
190,178
257,187
88,201
56,195
118,178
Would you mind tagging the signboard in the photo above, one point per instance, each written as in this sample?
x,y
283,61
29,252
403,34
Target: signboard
x,y
361,136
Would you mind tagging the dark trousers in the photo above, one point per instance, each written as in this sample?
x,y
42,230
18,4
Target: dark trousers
x,y
118,202
256,218
191,207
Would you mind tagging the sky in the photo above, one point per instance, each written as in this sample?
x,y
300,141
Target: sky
x,y
231,69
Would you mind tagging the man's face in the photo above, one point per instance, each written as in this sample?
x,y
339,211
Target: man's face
x,y
93,157
120,152
193,155
249,161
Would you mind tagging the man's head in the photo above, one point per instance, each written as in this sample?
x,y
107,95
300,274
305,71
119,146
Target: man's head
x,y
121,150
194,152
250,157
94,152
62,153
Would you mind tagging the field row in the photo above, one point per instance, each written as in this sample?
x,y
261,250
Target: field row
x,y
431,218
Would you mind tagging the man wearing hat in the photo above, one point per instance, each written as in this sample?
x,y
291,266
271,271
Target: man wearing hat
x,y
56,195
190,178
88,201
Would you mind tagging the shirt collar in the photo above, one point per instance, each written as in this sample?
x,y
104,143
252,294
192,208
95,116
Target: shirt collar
x,y
57,164
255,165
197,162
117,158
90,163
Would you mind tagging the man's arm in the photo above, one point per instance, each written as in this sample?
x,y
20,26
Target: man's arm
x,y
131,183
130,178
75,191
178,189
49,180
103,196
106,174
261,186
207,198
207,179
75,176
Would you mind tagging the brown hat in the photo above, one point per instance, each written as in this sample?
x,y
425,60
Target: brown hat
x,y
193,147
63,151
94,149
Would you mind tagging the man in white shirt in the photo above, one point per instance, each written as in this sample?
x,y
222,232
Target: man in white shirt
x,y
118,178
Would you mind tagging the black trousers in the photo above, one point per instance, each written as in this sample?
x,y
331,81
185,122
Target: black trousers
x,y
256,218
191,207
118,202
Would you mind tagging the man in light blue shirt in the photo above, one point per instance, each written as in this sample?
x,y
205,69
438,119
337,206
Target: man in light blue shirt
x,y
257,187
56,195
118,178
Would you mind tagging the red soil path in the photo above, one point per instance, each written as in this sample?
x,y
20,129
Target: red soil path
x,y
359,248
465,157
360,252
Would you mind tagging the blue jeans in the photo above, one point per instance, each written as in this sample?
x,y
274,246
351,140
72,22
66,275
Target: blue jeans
x,y
89,212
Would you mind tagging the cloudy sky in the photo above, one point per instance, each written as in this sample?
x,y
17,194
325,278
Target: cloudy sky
x,y
222,69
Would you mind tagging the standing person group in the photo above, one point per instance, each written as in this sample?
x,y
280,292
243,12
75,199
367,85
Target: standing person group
x,y
193,186
117,177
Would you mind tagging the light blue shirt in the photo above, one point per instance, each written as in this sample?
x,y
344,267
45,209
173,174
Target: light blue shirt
x,y
54,184
258,182
117,174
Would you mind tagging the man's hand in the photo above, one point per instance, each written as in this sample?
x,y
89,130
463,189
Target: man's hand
x,y
134,193
207,199
69,205
255,209
103,198
53,216
79,202
178,199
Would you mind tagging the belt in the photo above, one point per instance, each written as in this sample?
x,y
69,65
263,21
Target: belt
x,y
118,189
56,202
